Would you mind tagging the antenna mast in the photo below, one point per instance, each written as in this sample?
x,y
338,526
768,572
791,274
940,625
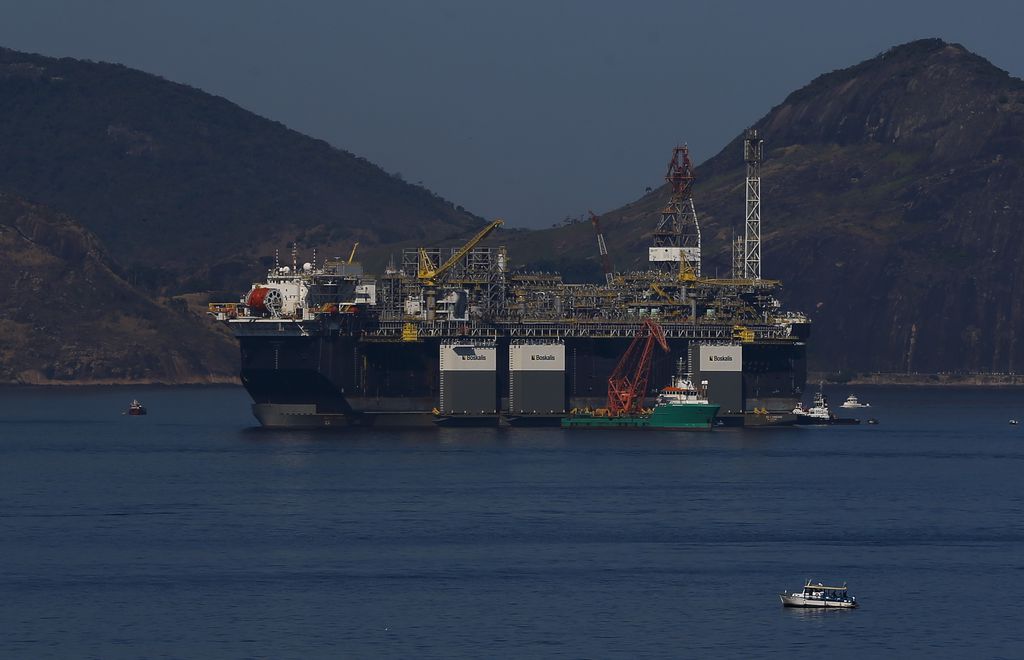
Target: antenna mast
x,y
753,153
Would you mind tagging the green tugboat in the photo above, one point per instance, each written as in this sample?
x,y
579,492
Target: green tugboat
x,y
680,406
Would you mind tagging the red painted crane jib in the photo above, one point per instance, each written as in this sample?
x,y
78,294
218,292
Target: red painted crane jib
x,y
680,173
628,382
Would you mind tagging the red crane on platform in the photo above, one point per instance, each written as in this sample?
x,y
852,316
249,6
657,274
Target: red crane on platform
x,y
628,383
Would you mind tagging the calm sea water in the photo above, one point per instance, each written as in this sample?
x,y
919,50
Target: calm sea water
x,y
190,533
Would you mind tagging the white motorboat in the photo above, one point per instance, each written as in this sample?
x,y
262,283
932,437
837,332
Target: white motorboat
x,y
816,594
819,413
853,402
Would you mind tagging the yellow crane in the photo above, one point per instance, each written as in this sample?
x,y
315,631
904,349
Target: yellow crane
x,y
686,272
352,254
429,273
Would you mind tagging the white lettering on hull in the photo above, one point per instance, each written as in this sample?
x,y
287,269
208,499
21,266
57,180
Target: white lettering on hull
x,y
536,357
721,358
463,357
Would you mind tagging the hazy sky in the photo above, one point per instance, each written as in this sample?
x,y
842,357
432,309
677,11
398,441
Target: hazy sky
x,y
525,110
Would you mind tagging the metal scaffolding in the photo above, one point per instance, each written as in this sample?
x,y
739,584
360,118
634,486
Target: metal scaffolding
x,y
753,154
739,269
469,290
676,239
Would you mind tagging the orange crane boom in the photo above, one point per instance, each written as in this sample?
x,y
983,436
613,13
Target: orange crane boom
x,y
628,383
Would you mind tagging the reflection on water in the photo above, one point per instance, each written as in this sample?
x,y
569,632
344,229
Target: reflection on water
x,y
812,614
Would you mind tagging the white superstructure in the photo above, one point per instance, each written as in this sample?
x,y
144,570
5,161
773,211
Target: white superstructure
x,y
820,595
853,402
819,412
302,293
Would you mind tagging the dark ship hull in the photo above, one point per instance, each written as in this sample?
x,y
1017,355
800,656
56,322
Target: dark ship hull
x,y
343,378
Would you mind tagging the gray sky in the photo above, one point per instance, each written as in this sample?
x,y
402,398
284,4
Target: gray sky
x,y
525,110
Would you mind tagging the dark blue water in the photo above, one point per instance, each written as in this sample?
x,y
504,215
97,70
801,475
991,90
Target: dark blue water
x,y
189,533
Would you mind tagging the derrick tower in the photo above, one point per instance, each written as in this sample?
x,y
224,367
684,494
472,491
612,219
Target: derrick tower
x,y
676,240
753,153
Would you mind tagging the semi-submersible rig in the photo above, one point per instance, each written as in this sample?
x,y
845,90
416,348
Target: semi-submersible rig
x,y
454,336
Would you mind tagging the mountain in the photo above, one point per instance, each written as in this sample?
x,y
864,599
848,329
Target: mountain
x,y
893,193
69,316
186,189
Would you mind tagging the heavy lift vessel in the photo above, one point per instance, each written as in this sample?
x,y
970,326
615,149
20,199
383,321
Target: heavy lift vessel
x,y
454,336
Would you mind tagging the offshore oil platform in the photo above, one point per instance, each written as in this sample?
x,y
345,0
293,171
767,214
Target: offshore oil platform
x,y
454,336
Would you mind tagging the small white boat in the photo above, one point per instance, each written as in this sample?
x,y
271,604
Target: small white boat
x,y
852,402
816,594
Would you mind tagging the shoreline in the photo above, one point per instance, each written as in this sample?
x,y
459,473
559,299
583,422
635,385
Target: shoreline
x,y
68,384
922,380
877,379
